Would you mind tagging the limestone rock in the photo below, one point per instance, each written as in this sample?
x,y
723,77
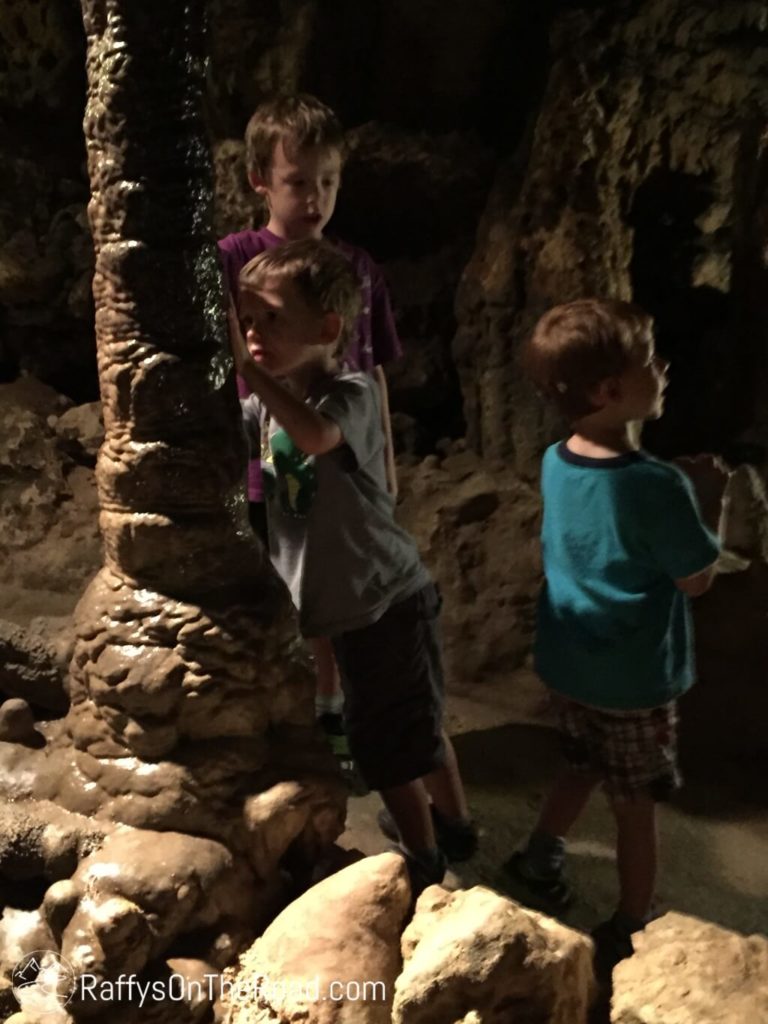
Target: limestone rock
x,y
746,514
627,187
49,539
32,471
476,526
17,724
687,971
345,930
236,205
82,427
474,955
30,669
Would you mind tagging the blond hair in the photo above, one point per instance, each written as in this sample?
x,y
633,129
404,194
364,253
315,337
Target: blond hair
x,y
577,345
296,121
324,278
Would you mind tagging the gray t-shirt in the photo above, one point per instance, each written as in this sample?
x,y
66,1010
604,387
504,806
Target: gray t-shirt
x,y
332,532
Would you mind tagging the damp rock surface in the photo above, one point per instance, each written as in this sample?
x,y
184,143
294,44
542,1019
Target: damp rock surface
x,y
142,889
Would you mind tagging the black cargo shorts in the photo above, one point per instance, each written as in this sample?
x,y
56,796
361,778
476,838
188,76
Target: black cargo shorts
x,y
392,678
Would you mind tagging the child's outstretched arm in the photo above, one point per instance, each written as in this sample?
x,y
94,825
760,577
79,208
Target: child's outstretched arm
x,y
309,430
709,477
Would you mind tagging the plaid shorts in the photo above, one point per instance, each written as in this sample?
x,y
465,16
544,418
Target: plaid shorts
x,y
634,752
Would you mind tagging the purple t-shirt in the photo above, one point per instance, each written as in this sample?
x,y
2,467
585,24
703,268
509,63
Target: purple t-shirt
x,y
374,340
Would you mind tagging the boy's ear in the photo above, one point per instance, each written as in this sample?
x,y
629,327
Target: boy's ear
x,y
257,183
607,391
330,328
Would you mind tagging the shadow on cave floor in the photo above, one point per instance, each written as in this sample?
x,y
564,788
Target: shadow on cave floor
x,y
713,863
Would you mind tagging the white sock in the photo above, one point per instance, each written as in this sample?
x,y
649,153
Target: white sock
x,y
328,704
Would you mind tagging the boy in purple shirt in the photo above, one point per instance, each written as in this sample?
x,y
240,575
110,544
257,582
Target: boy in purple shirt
x,y
294,154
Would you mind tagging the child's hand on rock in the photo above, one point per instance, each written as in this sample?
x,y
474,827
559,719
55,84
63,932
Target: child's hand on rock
x,y
237,343
709,476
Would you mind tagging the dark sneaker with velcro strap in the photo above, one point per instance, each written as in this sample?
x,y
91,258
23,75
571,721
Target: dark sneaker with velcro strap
x,y
551,895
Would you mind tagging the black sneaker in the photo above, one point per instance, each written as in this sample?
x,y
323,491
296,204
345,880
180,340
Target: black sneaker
x,y
612,945
457,840
550,895
423,872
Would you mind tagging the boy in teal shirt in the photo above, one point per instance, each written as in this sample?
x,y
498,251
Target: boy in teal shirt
x,y
625,542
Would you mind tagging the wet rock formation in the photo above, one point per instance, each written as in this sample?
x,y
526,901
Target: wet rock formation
x,y
190,698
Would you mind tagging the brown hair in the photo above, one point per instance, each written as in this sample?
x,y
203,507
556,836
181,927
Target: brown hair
x,y
324,277
296,121
577,345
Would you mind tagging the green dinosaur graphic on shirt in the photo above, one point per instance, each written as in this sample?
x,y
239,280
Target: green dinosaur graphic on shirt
x,y
289,474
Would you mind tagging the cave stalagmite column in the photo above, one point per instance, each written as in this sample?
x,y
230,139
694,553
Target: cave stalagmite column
x,y
191,704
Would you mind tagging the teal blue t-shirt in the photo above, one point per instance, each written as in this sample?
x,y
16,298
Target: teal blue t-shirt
x,y
613,629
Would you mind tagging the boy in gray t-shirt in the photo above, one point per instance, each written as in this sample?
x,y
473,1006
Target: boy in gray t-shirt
x,y
354,574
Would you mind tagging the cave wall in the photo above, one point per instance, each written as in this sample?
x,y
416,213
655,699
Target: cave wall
x,y
46,253
641,181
